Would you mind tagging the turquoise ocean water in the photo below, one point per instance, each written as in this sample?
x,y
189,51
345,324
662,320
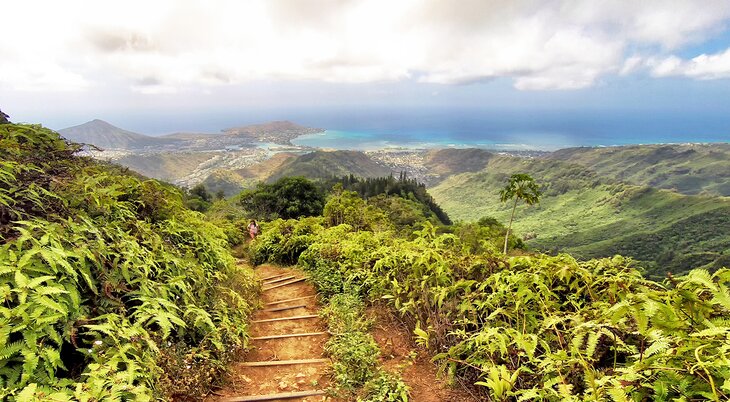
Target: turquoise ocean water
x,y
509,130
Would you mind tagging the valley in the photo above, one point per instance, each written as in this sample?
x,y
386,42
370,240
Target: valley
x,y
664,205
106,273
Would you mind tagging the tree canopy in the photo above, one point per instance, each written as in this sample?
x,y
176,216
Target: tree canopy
x,y
287,198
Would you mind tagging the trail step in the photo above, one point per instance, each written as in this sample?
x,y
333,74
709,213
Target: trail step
x,y
283,278
274,276
273,310
298,317
282,362
261,338
290,300
284,284
272,397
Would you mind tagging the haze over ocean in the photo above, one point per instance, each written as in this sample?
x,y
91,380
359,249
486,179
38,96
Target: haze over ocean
x,y
544,130
370,128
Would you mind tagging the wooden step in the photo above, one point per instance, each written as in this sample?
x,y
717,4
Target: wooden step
x,y
284,284
289,300
298,317
273,397
274,276
283,278
281,362
262,338
273,310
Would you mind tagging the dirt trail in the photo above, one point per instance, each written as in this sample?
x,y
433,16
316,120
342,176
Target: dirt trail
x,y
286,295
247,382
399,353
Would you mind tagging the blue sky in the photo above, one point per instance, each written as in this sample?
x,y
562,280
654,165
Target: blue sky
x,y
167,66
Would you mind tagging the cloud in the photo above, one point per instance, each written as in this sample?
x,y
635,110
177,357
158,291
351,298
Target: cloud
x,y
703,67
167,46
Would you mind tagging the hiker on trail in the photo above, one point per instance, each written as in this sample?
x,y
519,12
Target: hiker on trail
x,y
253,229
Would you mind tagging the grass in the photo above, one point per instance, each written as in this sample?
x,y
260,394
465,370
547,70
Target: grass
x,y
592,217
686,168
356,355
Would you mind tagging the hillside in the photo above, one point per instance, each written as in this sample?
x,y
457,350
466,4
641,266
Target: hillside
x,y
518,327
325,164
231,182
685,168
168,166
588,216
106,136
111,288
447,162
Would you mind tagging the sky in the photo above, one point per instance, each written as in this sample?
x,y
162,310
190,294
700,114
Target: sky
x,y
163,66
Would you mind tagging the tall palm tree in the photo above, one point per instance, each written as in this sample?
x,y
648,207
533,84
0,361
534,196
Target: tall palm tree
x,y
520,187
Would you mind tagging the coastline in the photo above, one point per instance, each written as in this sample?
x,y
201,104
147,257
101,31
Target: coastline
x,y
371,142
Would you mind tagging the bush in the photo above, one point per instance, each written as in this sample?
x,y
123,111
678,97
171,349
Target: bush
x,y
108,281
287,198
385,387
536,327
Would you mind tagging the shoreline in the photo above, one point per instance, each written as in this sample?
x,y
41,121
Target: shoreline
x,y
328,140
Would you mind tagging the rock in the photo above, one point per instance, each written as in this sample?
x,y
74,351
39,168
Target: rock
x,y
283,385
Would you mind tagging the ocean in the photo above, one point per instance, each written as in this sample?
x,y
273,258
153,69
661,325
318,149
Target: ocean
x,y
374,128
507,130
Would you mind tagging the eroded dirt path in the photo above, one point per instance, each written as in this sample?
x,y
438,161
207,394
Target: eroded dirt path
x,y
400,354
286,361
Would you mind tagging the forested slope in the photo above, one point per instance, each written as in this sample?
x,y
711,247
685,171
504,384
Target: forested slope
x,y
591,216
109,287
685,168
521,327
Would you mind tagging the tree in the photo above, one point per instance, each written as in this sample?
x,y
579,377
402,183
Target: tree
x,y
520,187
288,198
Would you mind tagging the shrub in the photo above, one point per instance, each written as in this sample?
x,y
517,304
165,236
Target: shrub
x,y
107,281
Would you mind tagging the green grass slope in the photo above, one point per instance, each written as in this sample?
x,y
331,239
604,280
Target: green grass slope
x,y
590,217
324,164
685,168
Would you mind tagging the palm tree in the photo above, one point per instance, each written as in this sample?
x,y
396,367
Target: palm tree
x,y
520,187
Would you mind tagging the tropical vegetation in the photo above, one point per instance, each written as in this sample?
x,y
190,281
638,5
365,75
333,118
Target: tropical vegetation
x,y
520,187
527,326
110,288
589,216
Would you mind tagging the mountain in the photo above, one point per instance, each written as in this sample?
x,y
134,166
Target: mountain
x,y
685,168
106,136
314,165
588,215
231,182
325,164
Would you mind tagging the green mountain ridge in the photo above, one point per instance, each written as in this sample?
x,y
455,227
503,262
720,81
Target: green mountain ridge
x,y
685,168
590,216
325,164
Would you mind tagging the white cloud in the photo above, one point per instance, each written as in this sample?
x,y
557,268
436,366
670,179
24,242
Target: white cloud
x,y
167,46
703,67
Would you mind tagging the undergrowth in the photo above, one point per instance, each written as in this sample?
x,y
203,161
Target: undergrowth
x,y
110,289
536,327
355,353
